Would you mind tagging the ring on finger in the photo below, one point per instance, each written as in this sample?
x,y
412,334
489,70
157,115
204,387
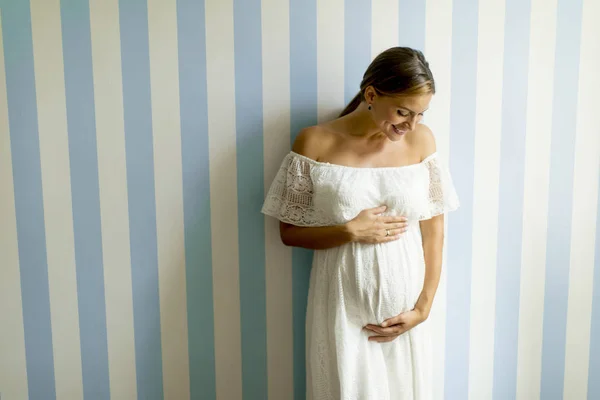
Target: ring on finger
x,y
387,232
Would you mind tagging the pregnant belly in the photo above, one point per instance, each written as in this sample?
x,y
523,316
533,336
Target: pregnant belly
x,y
377,282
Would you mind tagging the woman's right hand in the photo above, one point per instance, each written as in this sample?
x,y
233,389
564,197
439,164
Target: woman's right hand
x,y
369,226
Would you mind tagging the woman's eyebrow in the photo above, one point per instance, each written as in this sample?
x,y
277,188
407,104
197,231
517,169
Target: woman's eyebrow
x,y
414,112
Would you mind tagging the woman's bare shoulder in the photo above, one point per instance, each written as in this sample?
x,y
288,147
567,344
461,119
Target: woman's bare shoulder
x,y
422,140
312,141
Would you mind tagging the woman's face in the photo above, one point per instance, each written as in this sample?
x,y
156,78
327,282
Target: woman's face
x,y
396,116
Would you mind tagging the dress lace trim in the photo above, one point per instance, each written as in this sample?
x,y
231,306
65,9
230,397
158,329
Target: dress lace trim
x,y
290,197
442,193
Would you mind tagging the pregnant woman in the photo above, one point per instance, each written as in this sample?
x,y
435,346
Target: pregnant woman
x,y
368,193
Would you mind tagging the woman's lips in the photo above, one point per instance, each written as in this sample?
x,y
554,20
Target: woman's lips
x,y
398,131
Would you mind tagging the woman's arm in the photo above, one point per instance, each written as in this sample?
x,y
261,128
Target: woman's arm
x,y
315,238
308,143
432,232
368,227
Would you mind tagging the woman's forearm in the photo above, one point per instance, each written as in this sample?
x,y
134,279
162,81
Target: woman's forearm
x,y
432,232
315,238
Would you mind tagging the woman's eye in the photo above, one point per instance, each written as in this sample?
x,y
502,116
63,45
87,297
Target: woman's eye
x,y
402,113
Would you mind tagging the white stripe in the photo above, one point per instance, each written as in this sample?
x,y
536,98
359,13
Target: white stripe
x,y
112,175
276,139
223,197
438,51
585,198
13,368
488,125
384,25
330,58
164,78
535,201
56,186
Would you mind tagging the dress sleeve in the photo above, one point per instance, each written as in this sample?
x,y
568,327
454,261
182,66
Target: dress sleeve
x,y
442,197
290,197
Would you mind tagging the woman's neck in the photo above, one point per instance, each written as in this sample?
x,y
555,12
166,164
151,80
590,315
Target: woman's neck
x,y
359,123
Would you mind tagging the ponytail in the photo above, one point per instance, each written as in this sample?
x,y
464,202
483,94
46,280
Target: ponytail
x,y
353,105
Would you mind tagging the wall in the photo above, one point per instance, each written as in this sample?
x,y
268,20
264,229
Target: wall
x,y
137,140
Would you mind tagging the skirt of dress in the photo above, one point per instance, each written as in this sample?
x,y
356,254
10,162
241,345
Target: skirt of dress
x,y
355,285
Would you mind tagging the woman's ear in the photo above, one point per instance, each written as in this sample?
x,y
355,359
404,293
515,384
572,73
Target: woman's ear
x,y
370,94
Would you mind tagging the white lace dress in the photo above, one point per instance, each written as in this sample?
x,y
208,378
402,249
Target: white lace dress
x,y
358,284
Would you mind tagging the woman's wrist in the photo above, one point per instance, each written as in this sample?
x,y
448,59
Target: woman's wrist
x,y
349,232
423,310
423,305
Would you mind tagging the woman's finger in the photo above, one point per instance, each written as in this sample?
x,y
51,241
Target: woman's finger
x,y
395,331
391,232
391,331
396,225
398,319
398,231
382,339
392,219
387,231
385,239
378,210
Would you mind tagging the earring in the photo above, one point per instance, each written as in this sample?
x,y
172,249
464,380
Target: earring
x,y
369,107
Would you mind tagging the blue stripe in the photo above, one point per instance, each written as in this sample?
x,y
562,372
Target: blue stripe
x,y
562,160
196,197
79,88
357,44
511,192
303,113
142,203
29,208
250,186
412,24
594,366
301,266
460,227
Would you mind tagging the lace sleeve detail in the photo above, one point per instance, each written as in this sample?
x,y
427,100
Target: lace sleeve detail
x,y
442,193
290,197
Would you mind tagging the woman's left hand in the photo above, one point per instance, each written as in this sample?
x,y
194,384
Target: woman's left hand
x,y
393,327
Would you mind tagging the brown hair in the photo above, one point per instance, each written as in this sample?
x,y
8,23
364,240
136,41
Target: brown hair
x,y
398,71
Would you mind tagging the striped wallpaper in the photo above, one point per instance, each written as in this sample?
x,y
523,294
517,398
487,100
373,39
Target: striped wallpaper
x,y
137,138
